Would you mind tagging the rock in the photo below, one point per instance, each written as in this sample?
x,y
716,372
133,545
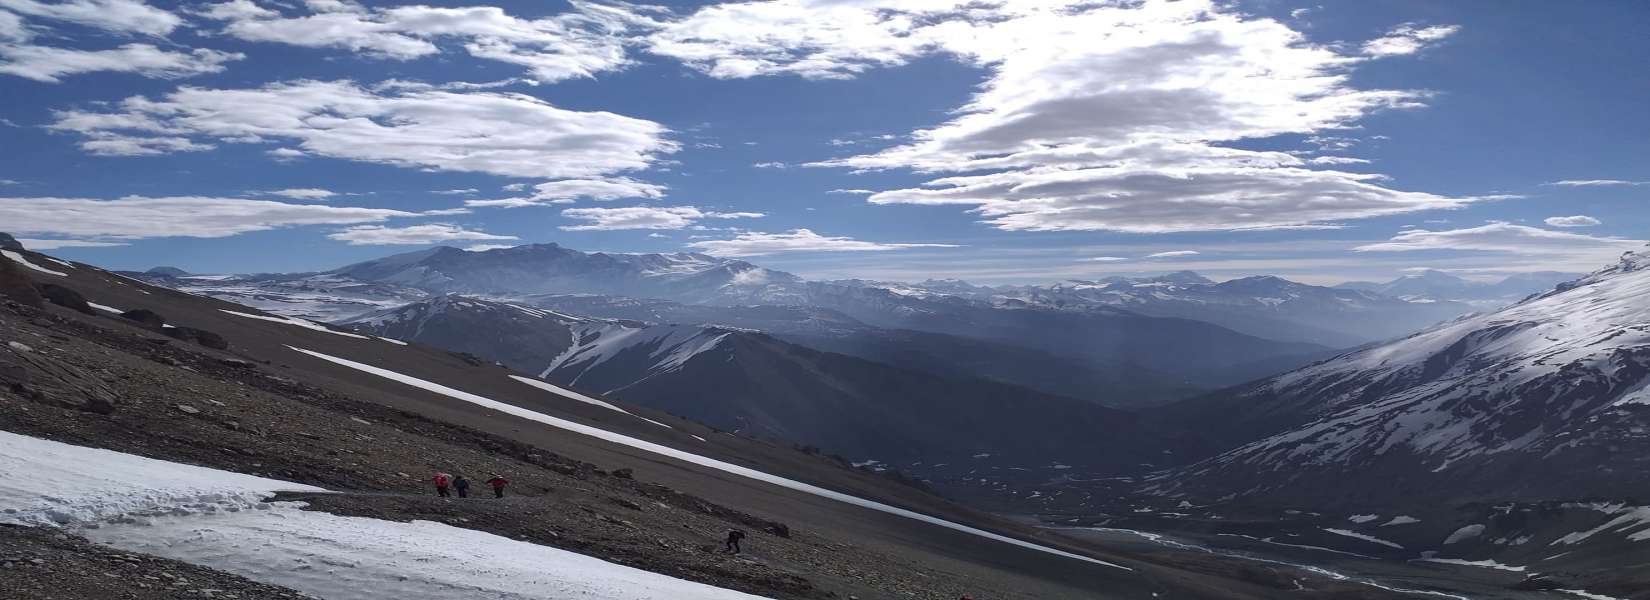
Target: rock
x,y
187,409
66,298
624,473
19,346
17,285
626,503
204,338
236,363
45,379
7,242
145,316
778,529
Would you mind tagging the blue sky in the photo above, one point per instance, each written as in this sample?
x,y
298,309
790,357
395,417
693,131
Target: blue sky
x,y
1019,141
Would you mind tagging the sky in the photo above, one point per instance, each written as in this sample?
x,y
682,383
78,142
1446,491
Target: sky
x,y
999,141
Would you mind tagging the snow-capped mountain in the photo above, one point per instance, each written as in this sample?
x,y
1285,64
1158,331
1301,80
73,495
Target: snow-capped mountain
x,y
1437,285
549,268
1548,396
315,296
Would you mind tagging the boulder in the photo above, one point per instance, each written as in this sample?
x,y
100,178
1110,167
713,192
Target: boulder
x,y
66,298
199,336
16,285
145,316
41,378
624,473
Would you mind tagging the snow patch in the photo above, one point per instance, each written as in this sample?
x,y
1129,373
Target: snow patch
x,y
108,309
1401,520
1367,538
1362,518
1464,534
18,258
561,391
49,483
306,324
1488,564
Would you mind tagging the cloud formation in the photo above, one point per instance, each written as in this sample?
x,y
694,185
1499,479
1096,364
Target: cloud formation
x,y
486,132
1596,182
115,16
301,193
753,243
587,40
184,216
568,190
1092,114
1507,238
429,233
645,217
1572,221
1173,254
1408,39
50,65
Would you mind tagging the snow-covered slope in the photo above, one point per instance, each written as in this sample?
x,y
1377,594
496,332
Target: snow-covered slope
x,y
219,519
1545,396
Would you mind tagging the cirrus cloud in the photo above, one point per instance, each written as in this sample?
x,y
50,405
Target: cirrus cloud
x,y
50,65
1572,221
429,233
1173,254
1562,250
139,217
645,217
753,243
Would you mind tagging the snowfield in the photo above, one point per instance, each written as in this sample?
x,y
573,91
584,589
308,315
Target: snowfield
x,y
689,457
219,519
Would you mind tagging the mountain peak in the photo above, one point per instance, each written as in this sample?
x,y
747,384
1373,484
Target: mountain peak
x,y
167,272
1181,277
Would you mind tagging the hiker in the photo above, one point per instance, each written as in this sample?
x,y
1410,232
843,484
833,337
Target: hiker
x,y
733,541
442,480
498,484
462,484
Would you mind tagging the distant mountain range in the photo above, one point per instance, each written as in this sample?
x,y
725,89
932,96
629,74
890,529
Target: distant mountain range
x,y
758,385
1438,285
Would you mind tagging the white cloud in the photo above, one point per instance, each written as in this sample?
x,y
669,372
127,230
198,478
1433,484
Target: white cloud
x,y
851,191
1507,238
1106,259
1091,114
645,217
118,16
770,165
1572,221
487,132
187,216
1173,254
50,65
658,236
301,193
1407,39
753,243
1148,200
587,40
486,247
429,233
1596,182
567,190
55,244
457,192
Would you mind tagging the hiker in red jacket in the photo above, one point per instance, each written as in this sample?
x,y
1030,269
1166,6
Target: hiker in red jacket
x,y
442,480
498,484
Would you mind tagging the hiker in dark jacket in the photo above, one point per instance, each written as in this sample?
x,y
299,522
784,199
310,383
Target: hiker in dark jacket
x,y
733,541
462,486
498,484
